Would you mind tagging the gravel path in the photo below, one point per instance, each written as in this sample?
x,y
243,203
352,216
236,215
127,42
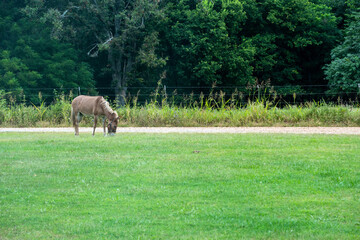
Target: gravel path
x,y
238,130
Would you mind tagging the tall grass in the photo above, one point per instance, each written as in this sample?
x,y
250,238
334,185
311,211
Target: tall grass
x,y
15,114
257,113
215,109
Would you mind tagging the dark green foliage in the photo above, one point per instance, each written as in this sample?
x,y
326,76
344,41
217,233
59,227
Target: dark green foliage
x,y
343,72
205,47
234,42
292,38
287,43
31,60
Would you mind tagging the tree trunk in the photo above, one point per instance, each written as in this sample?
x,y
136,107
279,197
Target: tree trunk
x,y
121,88
119,77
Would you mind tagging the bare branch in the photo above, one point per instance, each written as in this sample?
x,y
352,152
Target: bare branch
x,y
107,41
94,51
67,10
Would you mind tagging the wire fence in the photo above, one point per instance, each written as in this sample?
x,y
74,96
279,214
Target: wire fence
x,y
296,94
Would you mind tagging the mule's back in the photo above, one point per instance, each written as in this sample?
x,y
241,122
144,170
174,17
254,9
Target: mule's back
x,y
88,105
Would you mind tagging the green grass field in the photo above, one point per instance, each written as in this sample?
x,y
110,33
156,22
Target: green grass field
x,y
179,186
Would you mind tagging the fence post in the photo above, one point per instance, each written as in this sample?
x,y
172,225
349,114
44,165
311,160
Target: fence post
x,y
79,91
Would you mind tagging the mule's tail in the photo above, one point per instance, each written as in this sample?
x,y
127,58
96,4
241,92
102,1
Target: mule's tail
x,y
73,120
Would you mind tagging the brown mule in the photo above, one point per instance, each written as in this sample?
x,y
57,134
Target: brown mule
x,y
96,106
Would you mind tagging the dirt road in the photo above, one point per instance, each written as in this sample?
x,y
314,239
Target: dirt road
x,y
234,130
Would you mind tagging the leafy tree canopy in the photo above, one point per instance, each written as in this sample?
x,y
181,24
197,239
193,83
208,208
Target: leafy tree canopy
x,y
343,72
30,60
124,43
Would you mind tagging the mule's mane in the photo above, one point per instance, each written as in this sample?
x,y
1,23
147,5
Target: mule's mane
x,y
106,106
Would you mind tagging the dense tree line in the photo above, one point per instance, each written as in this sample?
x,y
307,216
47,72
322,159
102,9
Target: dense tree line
x,y
117,44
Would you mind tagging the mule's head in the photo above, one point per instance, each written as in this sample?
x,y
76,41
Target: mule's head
x,y
113,122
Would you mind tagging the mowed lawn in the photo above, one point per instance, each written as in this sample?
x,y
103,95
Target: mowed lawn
x,y
179,186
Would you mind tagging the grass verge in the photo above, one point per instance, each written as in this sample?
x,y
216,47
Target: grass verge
x,y
154,115
214,110
179,186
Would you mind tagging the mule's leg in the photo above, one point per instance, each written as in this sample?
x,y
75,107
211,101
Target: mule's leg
x,y
79,117
77,120
76,123
104,122
95,122
73,118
